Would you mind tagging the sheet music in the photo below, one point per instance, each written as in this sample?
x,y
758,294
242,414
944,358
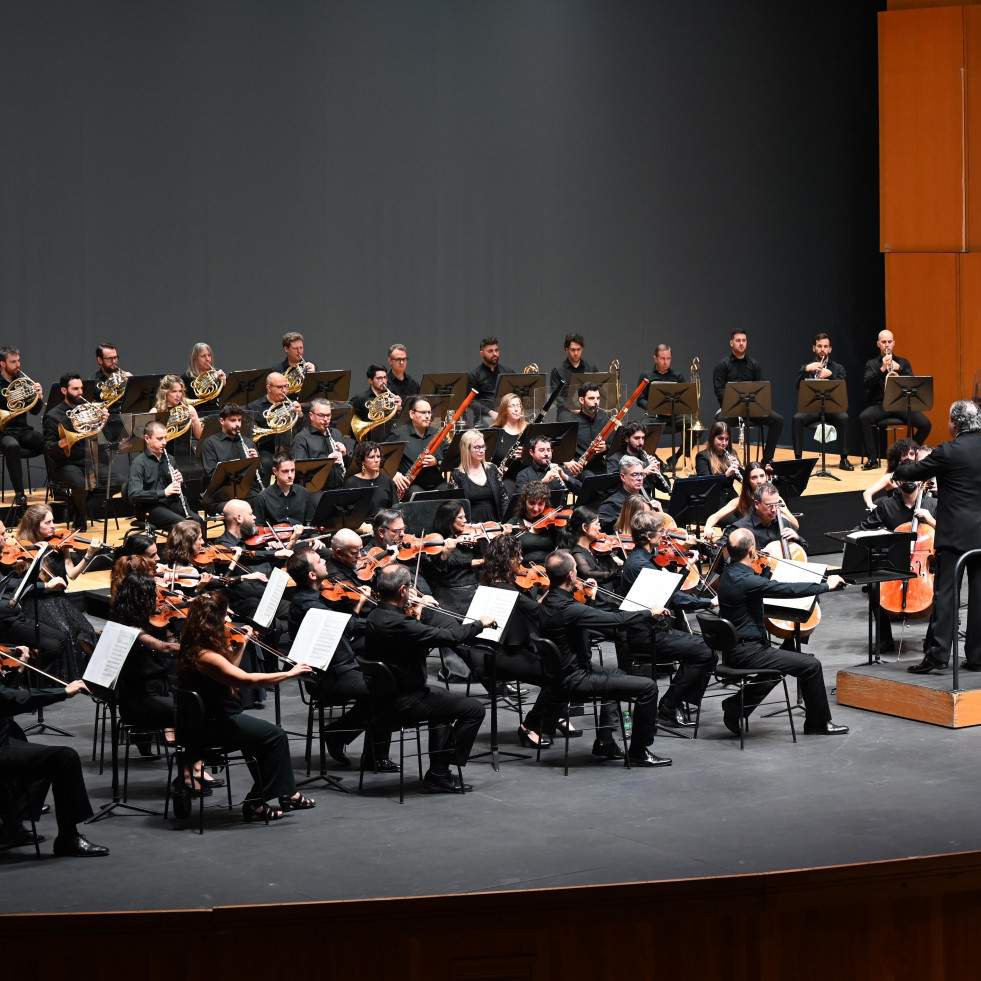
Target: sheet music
x,y
271,596
317,639
794,572
489,601
653,587
110,654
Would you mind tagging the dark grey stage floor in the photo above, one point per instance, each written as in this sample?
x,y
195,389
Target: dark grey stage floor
x,y
889,789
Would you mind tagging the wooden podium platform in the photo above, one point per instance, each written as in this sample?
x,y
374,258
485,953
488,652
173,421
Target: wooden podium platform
x,y
890,689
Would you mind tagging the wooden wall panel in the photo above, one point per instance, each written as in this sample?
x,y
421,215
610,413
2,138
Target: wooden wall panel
x,y
922,312
910,4
970,321
921,130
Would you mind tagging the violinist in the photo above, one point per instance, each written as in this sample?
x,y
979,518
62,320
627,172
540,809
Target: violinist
x,y
717,458
534,545
225,446
902,451
664,643
388,531
202,361
633,505
184,543
415,436
956,463
479,481
343,681
568,624
632,476
762,520
40,768
404,643
211,666
320,442
542,468
741,595
345,554
741,506
366,471
137,553
634,434
578,537
57,570
822,368
282,502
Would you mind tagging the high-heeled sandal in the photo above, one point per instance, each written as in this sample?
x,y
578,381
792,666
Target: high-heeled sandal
x,y
531,739
260,811
298,803
567,728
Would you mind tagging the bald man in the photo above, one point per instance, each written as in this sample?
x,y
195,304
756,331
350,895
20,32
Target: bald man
x,y
276,392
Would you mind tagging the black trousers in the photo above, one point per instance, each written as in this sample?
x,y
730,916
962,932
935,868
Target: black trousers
x,y
341,684
272,774
695,661
944,589
449,711
804,667
18,444
774,427
802,420
873,414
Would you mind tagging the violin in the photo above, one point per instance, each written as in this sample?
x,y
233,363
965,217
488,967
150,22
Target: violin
x,y
553,517
336,592
375,559
14,551
275,533
412,545
912,598
216,554
64,537
531,575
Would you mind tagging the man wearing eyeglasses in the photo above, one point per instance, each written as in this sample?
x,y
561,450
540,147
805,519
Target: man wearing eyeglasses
x,y
277,389
321,442
762,520
399,382
415,436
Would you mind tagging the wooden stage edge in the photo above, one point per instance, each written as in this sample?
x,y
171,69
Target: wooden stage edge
x,y
859,688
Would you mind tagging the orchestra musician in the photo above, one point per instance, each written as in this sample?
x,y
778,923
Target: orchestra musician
x,y
591,425
666,643
822,367
661,372
18,440
533,545
282,501
211,666
224,446
293,347
41,768
377,384
717,458
108,358
741,595
479,482
578,537
319,441
741,506
632,476
542,468
633,435
876,371
343,681
154,484
399,382
574,364
366,471
762,520
276,392
484,378
202,360
568,623
956,463
415,436
511,423
170,395
633,505
71,469
901,451
738,366
403,643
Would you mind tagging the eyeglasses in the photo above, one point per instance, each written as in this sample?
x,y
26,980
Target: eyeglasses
x,y
399,360
320,415
421,412
479,446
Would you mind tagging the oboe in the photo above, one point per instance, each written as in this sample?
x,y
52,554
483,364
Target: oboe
x,y
180,490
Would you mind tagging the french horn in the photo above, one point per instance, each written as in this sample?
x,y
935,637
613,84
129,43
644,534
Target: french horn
x,y
21,395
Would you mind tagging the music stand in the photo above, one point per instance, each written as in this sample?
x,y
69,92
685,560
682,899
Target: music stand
x,y
232,480
436,403
906,394
530,388
651,439
601,378
340,418
141,394
313,474
791,476
335,386
347,507
597,488
451,458
813,396
449,383
746,400
240,386
391,458
679,398
692,495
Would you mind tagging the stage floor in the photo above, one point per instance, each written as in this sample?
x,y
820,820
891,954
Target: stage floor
x,y
873,794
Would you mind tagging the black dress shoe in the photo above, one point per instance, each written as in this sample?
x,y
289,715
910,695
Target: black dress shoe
x,y
673,717
730,718
20,501
79,847
607,751
443,783
827,729
871,465
649,759
17,836
335,749
382,766
845,464
967,666
926,666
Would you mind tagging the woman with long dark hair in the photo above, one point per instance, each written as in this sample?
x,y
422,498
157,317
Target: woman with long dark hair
x,y
578,537
365,471
533,500
717,458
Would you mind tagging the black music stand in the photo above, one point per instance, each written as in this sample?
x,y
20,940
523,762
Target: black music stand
x,y
313,474
335,386
530,388
746,400
436,402
141,394
449,383
340,418
562,436
870,559
597,488
241,386
652,438
391,458
679,398
906,394
690,496
232,480
344,508
790,477
601,378
813,396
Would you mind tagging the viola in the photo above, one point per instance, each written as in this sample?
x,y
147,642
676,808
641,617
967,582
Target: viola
x,y
605,544
336,592
375,559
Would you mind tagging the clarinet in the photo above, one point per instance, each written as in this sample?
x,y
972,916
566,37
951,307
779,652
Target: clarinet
x,y
173,477
659,478
245,450
339,465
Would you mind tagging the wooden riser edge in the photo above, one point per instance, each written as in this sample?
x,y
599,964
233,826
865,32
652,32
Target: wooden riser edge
x,y
954,710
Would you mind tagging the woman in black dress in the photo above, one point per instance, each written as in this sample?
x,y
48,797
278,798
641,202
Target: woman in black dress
x,y
533,500
479,481
366,472
716,458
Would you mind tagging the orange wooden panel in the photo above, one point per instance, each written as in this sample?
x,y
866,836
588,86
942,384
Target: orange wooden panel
x,y
922,312
921,130
972,58
910,4
970,321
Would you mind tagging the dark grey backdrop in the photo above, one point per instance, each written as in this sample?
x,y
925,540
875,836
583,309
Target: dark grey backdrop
x,y
226,170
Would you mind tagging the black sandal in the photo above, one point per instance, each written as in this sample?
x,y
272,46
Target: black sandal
x,y
531,739
260,811
298,803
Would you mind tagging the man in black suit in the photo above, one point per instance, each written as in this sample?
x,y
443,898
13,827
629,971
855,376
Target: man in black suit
x,y
822,368
876,371
957,465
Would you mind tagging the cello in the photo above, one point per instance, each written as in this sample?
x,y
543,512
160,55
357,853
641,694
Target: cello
x,y
912,598
794,552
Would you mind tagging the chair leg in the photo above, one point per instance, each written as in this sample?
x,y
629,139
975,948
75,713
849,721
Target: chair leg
x,y
790,711
623,734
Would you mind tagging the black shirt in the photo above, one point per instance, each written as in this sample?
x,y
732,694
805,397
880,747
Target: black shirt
x,y
429,477
274,507
875,378
653,375
220,448
733,369
485,380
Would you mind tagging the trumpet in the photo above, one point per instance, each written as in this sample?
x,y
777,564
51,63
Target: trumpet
x,y
206,386
822,364
87,419
112,389
21,395
381,409
282,417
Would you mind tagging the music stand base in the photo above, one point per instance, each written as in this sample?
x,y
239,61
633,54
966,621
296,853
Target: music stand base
x,y
330,782
106,810
826,473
